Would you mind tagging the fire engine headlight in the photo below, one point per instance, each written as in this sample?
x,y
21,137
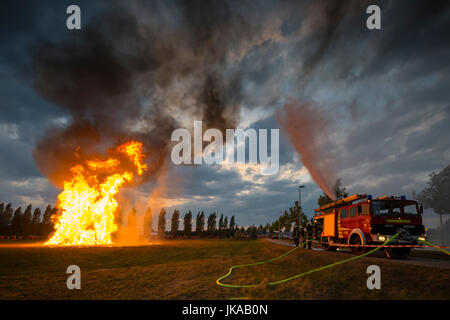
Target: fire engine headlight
x,y
421,238
382,238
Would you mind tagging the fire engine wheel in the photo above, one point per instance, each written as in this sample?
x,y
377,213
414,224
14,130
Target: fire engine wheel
x,y
398,253
357,250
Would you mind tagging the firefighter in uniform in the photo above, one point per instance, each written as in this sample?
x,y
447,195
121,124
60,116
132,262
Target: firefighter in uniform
x,y
303,236
296,235
309,230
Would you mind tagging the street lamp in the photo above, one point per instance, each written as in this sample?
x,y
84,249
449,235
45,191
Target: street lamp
x,y
300,187
300,194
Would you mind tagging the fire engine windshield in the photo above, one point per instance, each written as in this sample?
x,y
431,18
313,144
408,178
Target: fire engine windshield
x,y
394,208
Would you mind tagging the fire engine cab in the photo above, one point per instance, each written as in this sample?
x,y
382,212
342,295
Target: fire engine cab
x,y
361,220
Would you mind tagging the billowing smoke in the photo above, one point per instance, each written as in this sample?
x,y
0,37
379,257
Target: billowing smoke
x,y
307,129
138,72
141,69
328,18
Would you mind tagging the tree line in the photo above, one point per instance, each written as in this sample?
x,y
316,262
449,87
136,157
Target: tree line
x,y
291,217
15,224
295,217
32,224
222,228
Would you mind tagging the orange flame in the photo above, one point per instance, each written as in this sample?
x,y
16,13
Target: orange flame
x,y
87,205
133,150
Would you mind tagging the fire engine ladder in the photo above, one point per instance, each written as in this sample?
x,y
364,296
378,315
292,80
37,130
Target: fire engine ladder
x,y
341,202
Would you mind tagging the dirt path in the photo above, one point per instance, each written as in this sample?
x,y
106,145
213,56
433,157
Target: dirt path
x,y
436,263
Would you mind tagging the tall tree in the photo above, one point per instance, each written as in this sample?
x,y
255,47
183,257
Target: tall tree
x,y
225,223
211,227
436,195
131,226
162,223
16,222
200,225
188,223
3,221
297,216
197,224
8,213
232,223
27,218
175,223
35,222
148,223
221,223
286,221
339,192
55,213
202,221
208,224
47,223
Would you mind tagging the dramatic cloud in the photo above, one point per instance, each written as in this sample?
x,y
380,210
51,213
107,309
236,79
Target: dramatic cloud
x,y
369,107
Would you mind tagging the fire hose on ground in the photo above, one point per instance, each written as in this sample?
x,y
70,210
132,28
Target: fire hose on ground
x,y
437,247
218,281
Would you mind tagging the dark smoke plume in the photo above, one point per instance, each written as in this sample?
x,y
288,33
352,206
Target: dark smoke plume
x,y
139,69
119,75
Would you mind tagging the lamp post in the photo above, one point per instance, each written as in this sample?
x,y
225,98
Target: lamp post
x,y
300,187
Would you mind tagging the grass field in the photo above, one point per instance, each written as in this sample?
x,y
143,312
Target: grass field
x,y
188,269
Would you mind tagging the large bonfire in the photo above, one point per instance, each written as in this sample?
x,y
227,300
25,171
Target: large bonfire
x,y
87,204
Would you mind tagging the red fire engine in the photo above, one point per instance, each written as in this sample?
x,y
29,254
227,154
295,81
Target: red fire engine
x,y
361,220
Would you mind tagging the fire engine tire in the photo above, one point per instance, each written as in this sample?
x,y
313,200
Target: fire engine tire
x,y
356,239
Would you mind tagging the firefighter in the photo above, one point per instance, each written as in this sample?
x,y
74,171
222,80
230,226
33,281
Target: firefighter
x,y
303,236
309,230
296,235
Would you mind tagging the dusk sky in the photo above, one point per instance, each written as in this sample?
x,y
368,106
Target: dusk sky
x,y
374,104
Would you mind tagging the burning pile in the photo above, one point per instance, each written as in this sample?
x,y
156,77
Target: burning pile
x,y
88,201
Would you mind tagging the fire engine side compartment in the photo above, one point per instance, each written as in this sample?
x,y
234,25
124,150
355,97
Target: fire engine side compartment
x,y
329,224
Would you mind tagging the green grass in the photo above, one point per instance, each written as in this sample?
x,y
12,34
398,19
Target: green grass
x,y
188,269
